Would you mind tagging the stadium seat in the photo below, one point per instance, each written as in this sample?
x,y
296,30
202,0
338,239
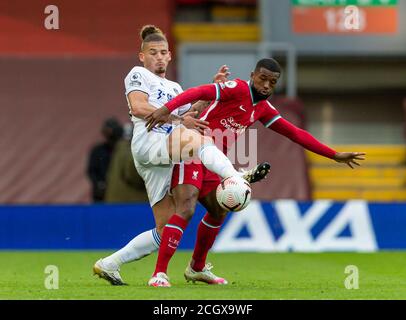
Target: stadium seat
x,y
382,177
227,13
200,32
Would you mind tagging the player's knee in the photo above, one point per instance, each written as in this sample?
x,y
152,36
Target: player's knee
x,y
187,209
198,143
186,206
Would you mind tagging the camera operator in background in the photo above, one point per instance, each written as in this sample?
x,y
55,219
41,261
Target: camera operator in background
x,y
124,184
100,157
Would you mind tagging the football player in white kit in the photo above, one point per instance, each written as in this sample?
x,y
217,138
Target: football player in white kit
x,y
155,151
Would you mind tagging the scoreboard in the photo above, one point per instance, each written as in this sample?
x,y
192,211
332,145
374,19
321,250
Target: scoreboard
x,y
338,16
336,27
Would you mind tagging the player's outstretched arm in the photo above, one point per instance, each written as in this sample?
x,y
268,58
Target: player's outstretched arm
x,y
306,140
199,106
161,115
157,118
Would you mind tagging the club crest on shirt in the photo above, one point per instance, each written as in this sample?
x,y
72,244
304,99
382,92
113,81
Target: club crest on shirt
x,y
231,84
195,173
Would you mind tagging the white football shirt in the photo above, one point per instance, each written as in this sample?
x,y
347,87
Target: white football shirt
x,y
159,91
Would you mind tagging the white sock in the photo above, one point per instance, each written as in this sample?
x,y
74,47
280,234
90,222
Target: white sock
x,y
139,247
216,161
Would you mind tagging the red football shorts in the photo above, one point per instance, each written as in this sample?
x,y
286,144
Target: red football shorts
x,y
197,175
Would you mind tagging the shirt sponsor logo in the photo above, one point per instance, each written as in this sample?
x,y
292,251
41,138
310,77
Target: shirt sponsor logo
x,y
232,125
135,83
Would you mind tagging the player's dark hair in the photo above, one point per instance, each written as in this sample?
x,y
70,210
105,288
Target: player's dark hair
x,y
269,64
150,33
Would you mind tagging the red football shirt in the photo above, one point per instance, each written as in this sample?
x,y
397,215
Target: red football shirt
x,y
234,111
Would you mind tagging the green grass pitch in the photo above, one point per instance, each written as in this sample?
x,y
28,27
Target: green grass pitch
x,y
251,276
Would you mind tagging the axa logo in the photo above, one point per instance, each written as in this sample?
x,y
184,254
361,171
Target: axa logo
x,y
285,225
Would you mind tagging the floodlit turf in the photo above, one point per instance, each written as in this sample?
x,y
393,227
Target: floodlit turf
x,y
251,276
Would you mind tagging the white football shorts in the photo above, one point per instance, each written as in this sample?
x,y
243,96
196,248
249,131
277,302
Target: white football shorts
x,y
151,159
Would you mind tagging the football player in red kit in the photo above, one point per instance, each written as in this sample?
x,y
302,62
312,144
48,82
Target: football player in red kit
x,y
235,106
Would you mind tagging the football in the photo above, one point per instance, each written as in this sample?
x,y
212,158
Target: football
x,y
233,194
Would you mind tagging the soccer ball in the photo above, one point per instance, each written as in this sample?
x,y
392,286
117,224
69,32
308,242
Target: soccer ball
x,y
233,194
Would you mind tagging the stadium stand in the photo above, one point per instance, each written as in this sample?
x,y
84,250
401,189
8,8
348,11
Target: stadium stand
x,y
201,32
216,21
382,177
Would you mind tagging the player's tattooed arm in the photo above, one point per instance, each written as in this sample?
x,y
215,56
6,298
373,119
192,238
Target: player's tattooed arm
x,y
190,121
199,106
162,115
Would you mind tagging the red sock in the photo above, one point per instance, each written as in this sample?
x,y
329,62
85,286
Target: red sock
x,y
207,232
170,239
